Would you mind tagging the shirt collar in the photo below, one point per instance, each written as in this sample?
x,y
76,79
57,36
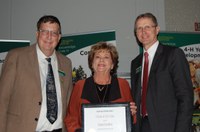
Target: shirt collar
x,y
152,50
42,56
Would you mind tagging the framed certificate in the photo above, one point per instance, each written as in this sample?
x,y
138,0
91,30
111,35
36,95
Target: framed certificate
x,y
109,117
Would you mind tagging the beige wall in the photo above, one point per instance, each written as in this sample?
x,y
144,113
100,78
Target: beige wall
x,y
80,16
19,17
180,15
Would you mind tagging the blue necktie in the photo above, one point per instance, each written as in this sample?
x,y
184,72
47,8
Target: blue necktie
x,y
52,105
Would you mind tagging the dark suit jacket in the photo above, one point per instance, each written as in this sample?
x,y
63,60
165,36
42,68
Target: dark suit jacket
x,y
170,93
20,89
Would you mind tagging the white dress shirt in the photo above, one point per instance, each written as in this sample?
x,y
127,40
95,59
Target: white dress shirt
x,y
43,123
151,51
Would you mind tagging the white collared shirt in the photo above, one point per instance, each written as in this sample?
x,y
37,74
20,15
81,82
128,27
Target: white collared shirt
x,y
43,123
151,51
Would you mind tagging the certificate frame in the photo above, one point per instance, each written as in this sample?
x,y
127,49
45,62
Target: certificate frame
x,y
106,117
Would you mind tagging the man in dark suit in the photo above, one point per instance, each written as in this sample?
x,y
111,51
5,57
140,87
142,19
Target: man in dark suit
x,y
23,83
167,104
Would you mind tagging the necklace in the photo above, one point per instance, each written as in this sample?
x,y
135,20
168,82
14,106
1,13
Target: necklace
x,y
101,93
100,88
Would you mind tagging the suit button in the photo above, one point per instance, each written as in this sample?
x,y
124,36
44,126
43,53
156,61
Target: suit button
x,y
39,103
36,119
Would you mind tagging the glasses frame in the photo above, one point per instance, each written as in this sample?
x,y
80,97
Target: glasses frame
x,y
49,32
145,28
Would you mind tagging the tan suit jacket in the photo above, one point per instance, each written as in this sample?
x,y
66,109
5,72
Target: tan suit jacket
x,y
20,89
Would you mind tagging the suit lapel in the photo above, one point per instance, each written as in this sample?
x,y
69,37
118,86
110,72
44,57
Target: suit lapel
x,y
151,90
60,71
137,66
156,60
139,72
61,76
137,80
35,67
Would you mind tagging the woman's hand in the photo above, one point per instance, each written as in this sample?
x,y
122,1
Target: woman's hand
x,y
133,108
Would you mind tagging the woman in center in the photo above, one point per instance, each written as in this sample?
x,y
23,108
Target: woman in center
x,y
102,87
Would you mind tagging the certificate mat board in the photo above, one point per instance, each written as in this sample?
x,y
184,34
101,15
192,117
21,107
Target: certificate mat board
x,y
107,117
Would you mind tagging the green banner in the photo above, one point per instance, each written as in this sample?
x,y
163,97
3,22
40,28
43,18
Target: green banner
x,y
74,42
179,39
6,45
